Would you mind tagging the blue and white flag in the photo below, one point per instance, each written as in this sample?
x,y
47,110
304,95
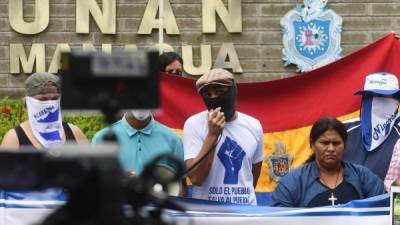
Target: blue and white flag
x,y
378,115
45,120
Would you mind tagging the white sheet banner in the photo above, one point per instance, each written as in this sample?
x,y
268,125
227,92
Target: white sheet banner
x,y
373,211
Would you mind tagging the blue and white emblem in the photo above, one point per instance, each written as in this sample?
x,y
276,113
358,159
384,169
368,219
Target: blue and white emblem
x,y
311,35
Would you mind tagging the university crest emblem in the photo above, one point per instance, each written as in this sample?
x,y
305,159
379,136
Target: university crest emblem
x,y
311,35
279,162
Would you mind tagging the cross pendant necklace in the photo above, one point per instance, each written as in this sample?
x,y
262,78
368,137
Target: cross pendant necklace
x,y
332,198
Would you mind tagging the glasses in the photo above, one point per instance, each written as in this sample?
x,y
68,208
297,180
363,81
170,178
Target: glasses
x,y
175,72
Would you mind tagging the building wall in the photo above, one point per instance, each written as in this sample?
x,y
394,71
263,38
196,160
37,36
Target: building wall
x,y
258,46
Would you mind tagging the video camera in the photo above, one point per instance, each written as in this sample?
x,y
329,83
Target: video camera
x,y
64,166
98,189
110,82
96,186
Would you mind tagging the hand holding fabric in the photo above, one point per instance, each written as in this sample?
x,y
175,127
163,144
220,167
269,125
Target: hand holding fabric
x,y
216,122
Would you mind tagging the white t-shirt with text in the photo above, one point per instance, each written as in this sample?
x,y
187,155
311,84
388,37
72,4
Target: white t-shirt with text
x,y
240,146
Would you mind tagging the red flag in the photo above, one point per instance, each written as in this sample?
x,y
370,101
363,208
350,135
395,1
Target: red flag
x,y
287,107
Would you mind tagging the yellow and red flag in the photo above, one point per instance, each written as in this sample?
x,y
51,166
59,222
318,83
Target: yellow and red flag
x,y
288,107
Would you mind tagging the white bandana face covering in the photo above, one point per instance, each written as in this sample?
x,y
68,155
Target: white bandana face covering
x,y
45,120
378,116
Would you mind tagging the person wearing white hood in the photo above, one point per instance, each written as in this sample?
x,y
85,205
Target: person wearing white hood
x,y
142,139
44,127
371,138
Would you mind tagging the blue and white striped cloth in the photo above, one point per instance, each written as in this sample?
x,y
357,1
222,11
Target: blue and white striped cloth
x,y
372,211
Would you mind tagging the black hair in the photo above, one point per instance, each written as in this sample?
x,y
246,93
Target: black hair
x,y
321,126
167,58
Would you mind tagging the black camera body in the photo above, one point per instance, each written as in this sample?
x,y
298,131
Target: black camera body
x,y
94,181
66,166
123,80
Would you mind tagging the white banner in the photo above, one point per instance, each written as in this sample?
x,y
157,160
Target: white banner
x,y
373,211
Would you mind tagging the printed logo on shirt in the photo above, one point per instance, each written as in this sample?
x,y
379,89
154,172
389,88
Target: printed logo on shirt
x,y
231,156
229,194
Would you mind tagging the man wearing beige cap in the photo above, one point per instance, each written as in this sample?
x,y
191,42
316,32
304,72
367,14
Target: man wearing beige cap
x,y
44,126
223,148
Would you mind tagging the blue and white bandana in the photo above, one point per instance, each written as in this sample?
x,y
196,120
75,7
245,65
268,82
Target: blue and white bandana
x,y
45,120
378,115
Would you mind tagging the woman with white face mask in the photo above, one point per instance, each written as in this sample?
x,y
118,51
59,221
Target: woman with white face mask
x,y
44,127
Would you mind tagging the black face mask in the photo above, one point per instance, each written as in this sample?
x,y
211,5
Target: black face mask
x,y
227,102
